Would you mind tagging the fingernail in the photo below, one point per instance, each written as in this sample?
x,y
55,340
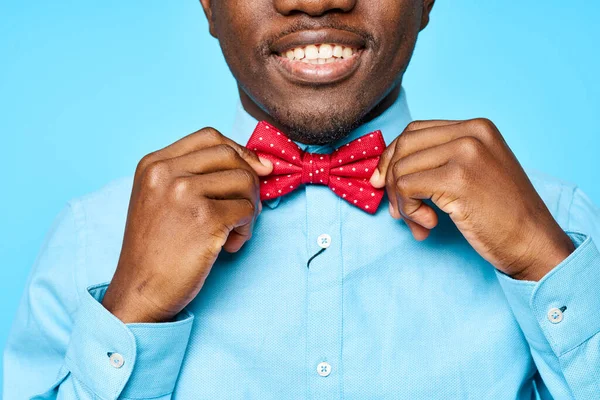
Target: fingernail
x,y
265,162
375,177
392,212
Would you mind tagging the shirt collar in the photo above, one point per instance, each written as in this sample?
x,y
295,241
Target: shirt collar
x,y
391,123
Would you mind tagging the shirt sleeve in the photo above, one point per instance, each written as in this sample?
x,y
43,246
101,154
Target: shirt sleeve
x,y
559,314
64,344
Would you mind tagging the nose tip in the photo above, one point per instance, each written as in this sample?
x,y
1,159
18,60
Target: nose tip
x,y
313,8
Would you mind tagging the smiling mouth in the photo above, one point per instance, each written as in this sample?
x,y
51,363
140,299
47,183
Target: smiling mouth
x,y
319,54
318,57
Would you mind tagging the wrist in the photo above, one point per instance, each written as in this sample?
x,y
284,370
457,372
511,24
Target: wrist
x,y
124,304
549,254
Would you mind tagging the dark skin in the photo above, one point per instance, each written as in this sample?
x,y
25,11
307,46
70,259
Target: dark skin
x,y
200,195
316,113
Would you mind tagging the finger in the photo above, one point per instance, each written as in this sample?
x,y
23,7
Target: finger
x,y
419,232
411,141
436,184
228,184
235,241
391,195
378,177
422,124
421,217
403,205
239,216
388,163
238,236
204,161
466,152
463,150
208,137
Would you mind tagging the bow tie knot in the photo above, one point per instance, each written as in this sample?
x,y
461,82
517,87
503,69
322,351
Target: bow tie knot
x,y
346,171
315,168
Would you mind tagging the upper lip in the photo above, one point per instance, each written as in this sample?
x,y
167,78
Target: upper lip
x,y
317,36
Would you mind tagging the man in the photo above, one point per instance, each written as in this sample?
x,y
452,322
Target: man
x,y
322,293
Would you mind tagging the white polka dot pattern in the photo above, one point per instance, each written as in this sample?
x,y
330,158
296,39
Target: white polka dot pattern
x,y
352,165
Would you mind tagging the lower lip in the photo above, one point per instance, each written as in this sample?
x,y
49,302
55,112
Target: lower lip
x,y
312,74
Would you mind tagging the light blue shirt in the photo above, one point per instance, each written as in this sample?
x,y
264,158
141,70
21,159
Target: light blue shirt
x,y
377,315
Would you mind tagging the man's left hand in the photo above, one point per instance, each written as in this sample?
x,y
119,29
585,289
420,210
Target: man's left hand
x,y
469,172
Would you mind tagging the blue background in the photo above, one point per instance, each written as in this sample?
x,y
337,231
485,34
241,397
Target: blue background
x,y
88,88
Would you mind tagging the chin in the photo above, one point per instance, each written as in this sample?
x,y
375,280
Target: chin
x,y
326,124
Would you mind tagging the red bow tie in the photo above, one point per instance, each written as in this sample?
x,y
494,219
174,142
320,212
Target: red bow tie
x,y
346,171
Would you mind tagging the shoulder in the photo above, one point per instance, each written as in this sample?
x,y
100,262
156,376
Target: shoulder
x,y
109,200
100,218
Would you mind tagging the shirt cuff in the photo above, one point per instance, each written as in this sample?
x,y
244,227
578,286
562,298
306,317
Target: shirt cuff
x,y
138,360
560,310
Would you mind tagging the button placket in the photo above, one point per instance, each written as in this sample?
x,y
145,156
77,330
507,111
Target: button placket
x,y
324,293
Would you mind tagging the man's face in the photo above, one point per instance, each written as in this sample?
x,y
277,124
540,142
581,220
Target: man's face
x,y
316,68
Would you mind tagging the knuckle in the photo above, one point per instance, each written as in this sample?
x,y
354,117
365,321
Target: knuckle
x,y
402,186
244,151
211,133
385,158
226,151
470,147
460,210
250,207
245,176
414,125
483,125
248,155
245,154
399,166
156,174
145,162
403,143
180,188
389,178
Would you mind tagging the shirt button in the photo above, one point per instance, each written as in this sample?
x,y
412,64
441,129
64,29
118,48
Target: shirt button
x,y
555,315
116,360
323,369
324,241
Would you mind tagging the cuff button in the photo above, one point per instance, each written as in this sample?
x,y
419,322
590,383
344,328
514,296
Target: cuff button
x,y
116,360
555,315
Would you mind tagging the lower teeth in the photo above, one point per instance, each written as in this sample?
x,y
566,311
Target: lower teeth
x,y
320,60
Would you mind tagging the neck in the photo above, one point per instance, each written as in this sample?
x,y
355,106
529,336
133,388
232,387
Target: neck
x,y
259,114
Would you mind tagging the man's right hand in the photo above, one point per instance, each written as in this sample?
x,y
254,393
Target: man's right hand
x,y
189,200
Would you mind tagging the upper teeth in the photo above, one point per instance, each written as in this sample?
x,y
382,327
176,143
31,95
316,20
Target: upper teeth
x,y
319,54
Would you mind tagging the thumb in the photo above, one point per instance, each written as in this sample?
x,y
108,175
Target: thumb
x,y
378,177
260,165
266,166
